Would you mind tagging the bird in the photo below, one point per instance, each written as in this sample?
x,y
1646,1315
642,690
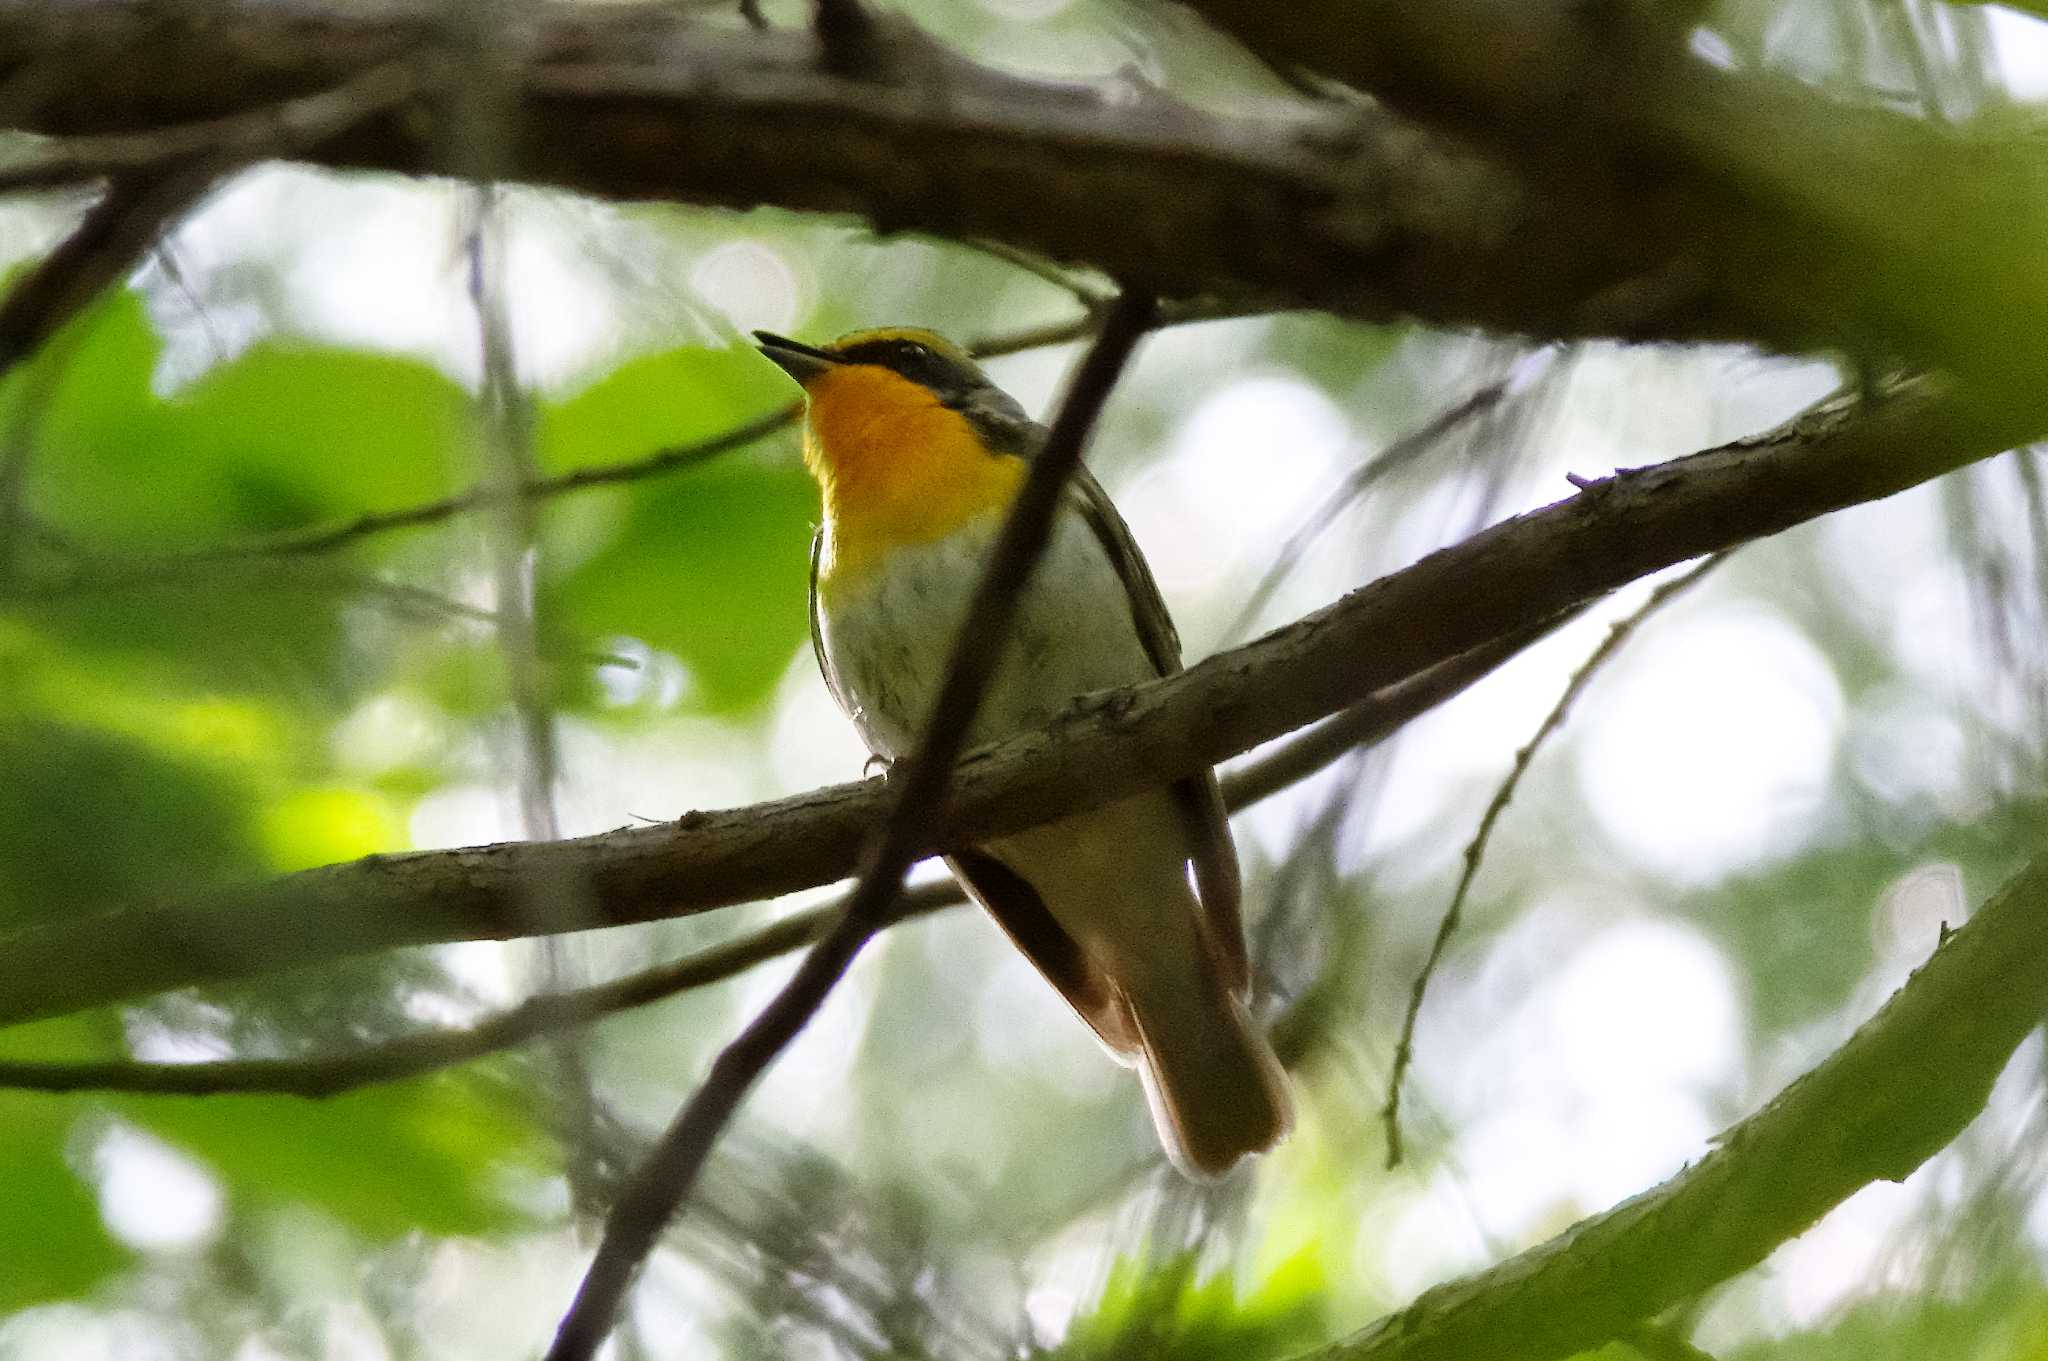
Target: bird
x,y
918,455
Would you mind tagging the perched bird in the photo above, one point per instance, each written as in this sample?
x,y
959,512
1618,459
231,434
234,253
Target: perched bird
x,y
918,456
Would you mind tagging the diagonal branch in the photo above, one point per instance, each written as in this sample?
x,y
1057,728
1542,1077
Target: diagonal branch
x,y
101,250
1515,575
413,1055
660,1185
1392,459
1297,758
1901,1088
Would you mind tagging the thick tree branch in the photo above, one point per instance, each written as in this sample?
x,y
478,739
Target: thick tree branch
x,y
1622,185
1500,582
1288,763
1346,209
1902,1087
258,133
1807,220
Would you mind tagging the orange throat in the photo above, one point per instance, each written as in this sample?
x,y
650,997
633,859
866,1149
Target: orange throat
x,y
896,467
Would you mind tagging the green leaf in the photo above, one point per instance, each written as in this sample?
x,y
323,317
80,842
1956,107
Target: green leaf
x,y
93,818
426,1156
659,401
57,1247
1153,1311
714,567
285,435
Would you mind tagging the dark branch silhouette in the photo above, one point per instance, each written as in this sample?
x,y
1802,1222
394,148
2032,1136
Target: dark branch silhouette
x,y
662,1183
1288,763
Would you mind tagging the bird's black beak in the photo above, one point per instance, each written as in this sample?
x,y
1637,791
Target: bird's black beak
x,y
801,362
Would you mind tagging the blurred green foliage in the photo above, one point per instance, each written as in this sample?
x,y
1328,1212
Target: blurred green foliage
x,y
166,728
1168,1311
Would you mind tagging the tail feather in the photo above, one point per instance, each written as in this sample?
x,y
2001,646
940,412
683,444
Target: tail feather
x,y
1112,886
1215,1087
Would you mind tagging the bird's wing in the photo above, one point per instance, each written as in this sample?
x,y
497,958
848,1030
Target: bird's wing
x,y
1199,797
1014,903
846,704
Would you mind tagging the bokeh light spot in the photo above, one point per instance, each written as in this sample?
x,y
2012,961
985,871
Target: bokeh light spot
x,y
1710,749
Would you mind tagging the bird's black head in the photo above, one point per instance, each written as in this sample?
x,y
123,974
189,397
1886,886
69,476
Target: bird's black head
x,y
923,357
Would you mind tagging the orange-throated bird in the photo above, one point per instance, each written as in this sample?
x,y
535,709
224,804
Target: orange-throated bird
x,y
918,455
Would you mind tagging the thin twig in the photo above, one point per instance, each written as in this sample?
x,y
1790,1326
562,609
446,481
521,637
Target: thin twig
x,y
508,466
160,569
664,1181
425,1052
508,471
1475,850
403,598
1393,458
1091,298
1376,718
334,537
166,261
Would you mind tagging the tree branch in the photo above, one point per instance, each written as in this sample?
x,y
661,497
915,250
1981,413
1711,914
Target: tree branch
x,y
1902,1087
661,1184
259,133
101,250
1500,582
412,1055
1808,220
1623,186
1341,208
1291,761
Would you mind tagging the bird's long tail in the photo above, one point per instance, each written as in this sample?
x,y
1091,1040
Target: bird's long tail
x,y
1215,1087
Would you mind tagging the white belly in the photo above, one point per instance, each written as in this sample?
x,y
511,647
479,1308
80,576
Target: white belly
x,y
1073,633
